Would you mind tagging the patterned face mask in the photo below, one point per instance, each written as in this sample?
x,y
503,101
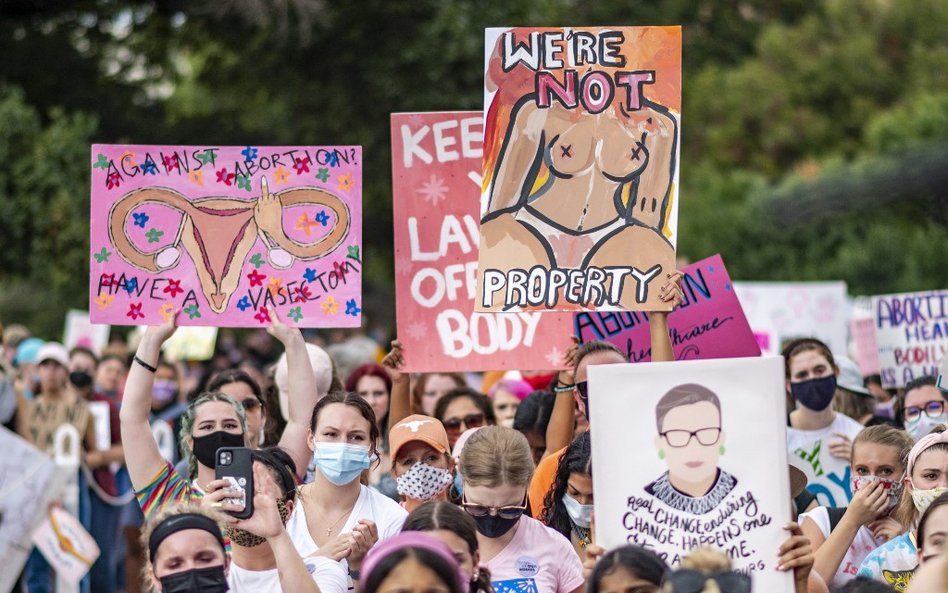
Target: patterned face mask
x,y
893,489
423,482
245,539
924,498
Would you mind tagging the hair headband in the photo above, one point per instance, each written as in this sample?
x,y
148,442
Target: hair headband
x,y
176,523
414,539
286,474
922,445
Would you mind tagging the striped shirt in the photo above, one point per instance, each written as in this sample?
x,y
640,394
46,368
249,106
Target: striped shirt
x,y
165,489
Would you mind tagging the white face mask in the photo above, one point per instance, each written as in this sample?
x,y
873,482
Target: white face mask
x,y
924,498
581,514
924,425
423,482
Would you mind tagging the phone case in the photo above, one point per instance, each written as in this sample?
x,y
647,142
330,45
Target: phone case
x,y
235,465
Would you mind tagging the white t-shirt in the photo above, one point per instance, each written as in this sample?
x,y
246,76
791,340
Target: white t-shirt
x,y
828,477
862,545
537,560
328,574
387,515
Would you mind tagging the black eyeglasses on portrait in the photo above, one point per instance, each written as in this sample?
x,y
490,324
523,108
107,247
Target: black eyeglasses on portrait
x,y
681,438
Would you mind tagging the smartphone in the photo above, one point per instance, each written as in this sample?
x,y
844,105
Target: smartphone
x,y
235,465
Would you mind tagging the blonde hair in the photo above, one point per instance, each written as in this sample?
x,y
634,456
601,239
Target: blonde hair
x,y
160,517
889,436
190,416
495,456
906,513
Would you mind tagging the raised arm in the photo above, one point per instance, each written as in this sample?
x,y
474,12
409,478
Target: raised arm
x,y
303,394
399,401
559,432
141,451
658,320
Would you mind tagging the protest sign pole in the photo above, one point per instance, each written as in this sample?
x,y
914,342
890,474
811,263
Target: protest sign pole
x,y
66,446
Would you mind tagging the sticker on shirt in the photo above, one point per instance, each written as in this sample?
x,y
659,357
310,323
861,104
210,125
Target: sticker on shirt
x,y
527,566
515,586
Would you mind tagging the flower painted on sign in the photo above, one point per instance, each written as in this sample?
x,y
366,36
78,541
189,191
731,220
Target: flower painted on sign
x,y
102,256
263,316
322,218
101,162
171,162
193,311
104,301
135,311
345,182
243,182
353,252
310,275
107,279
224,177
250,154
197,177
140,218
166,311
256,278
417,331
332,159
340,270
302,293
352,308
295,314
275,285
323,174
257,260
149,167
244,303
154,235
131,285
206,157
302,165
173,288
281,175
434,189
113,180
305,224
330,306
128,158
403,265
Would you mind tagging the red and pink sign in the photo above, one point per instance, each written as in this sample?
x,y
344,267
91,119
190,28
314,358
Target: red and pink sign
x,y
436,178
709,323
226,235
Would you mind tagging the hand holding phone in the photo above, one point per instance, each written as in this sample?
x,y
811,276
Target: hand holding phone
x,y
234,465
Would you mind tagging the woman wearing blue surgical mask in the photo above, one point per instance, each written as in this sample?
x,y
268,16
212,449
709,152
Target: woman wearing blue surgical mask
x,y
926,479
568,506
842,536
336,516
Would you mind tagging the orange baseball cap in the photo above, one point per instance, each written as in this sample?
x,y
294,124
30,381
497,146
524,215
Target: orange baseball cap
x,y
418,428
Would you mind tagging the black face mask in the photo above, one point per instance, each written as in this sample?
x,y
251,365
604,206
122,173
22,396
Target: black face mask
x,y
199,580
815,394
80,379
205,447
491,526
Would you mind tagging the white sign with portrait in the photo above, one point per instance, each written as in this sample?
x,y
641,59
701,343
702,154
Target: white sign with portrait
x,y
693,453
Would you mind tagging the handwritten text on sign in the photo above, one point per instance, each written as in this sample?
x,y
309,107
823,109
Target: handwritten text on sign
x,y
436,177
912,334
709,323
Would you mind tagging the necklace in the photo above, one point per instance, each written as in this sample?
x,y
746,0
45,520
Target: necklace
x,y
582,535
336,522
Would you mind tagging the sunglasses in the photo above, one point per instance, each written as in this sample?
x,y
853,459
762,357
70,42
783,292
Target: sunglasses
x,y
583,388
506,512
453,425
251,403
693,581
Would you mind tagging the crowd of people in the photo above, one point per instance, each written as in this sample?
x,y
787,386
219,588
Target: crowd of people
x,y
369,478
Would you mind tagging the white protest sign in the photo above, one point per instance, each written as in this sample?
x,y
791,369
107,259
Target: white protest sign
x,y
690,454
80,331
28,482
64,543
781,311
827,477
911,334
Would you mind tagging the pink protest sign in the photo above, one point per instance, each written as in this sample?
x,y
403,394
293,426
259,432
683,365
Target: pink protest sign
x,y
867,352
709,323
226,235
436,178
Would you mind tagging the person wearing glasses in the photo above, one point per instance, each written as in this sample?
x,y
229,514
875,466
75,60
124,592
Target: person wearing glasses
x,y
521,553
461,409
690,441
923,407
